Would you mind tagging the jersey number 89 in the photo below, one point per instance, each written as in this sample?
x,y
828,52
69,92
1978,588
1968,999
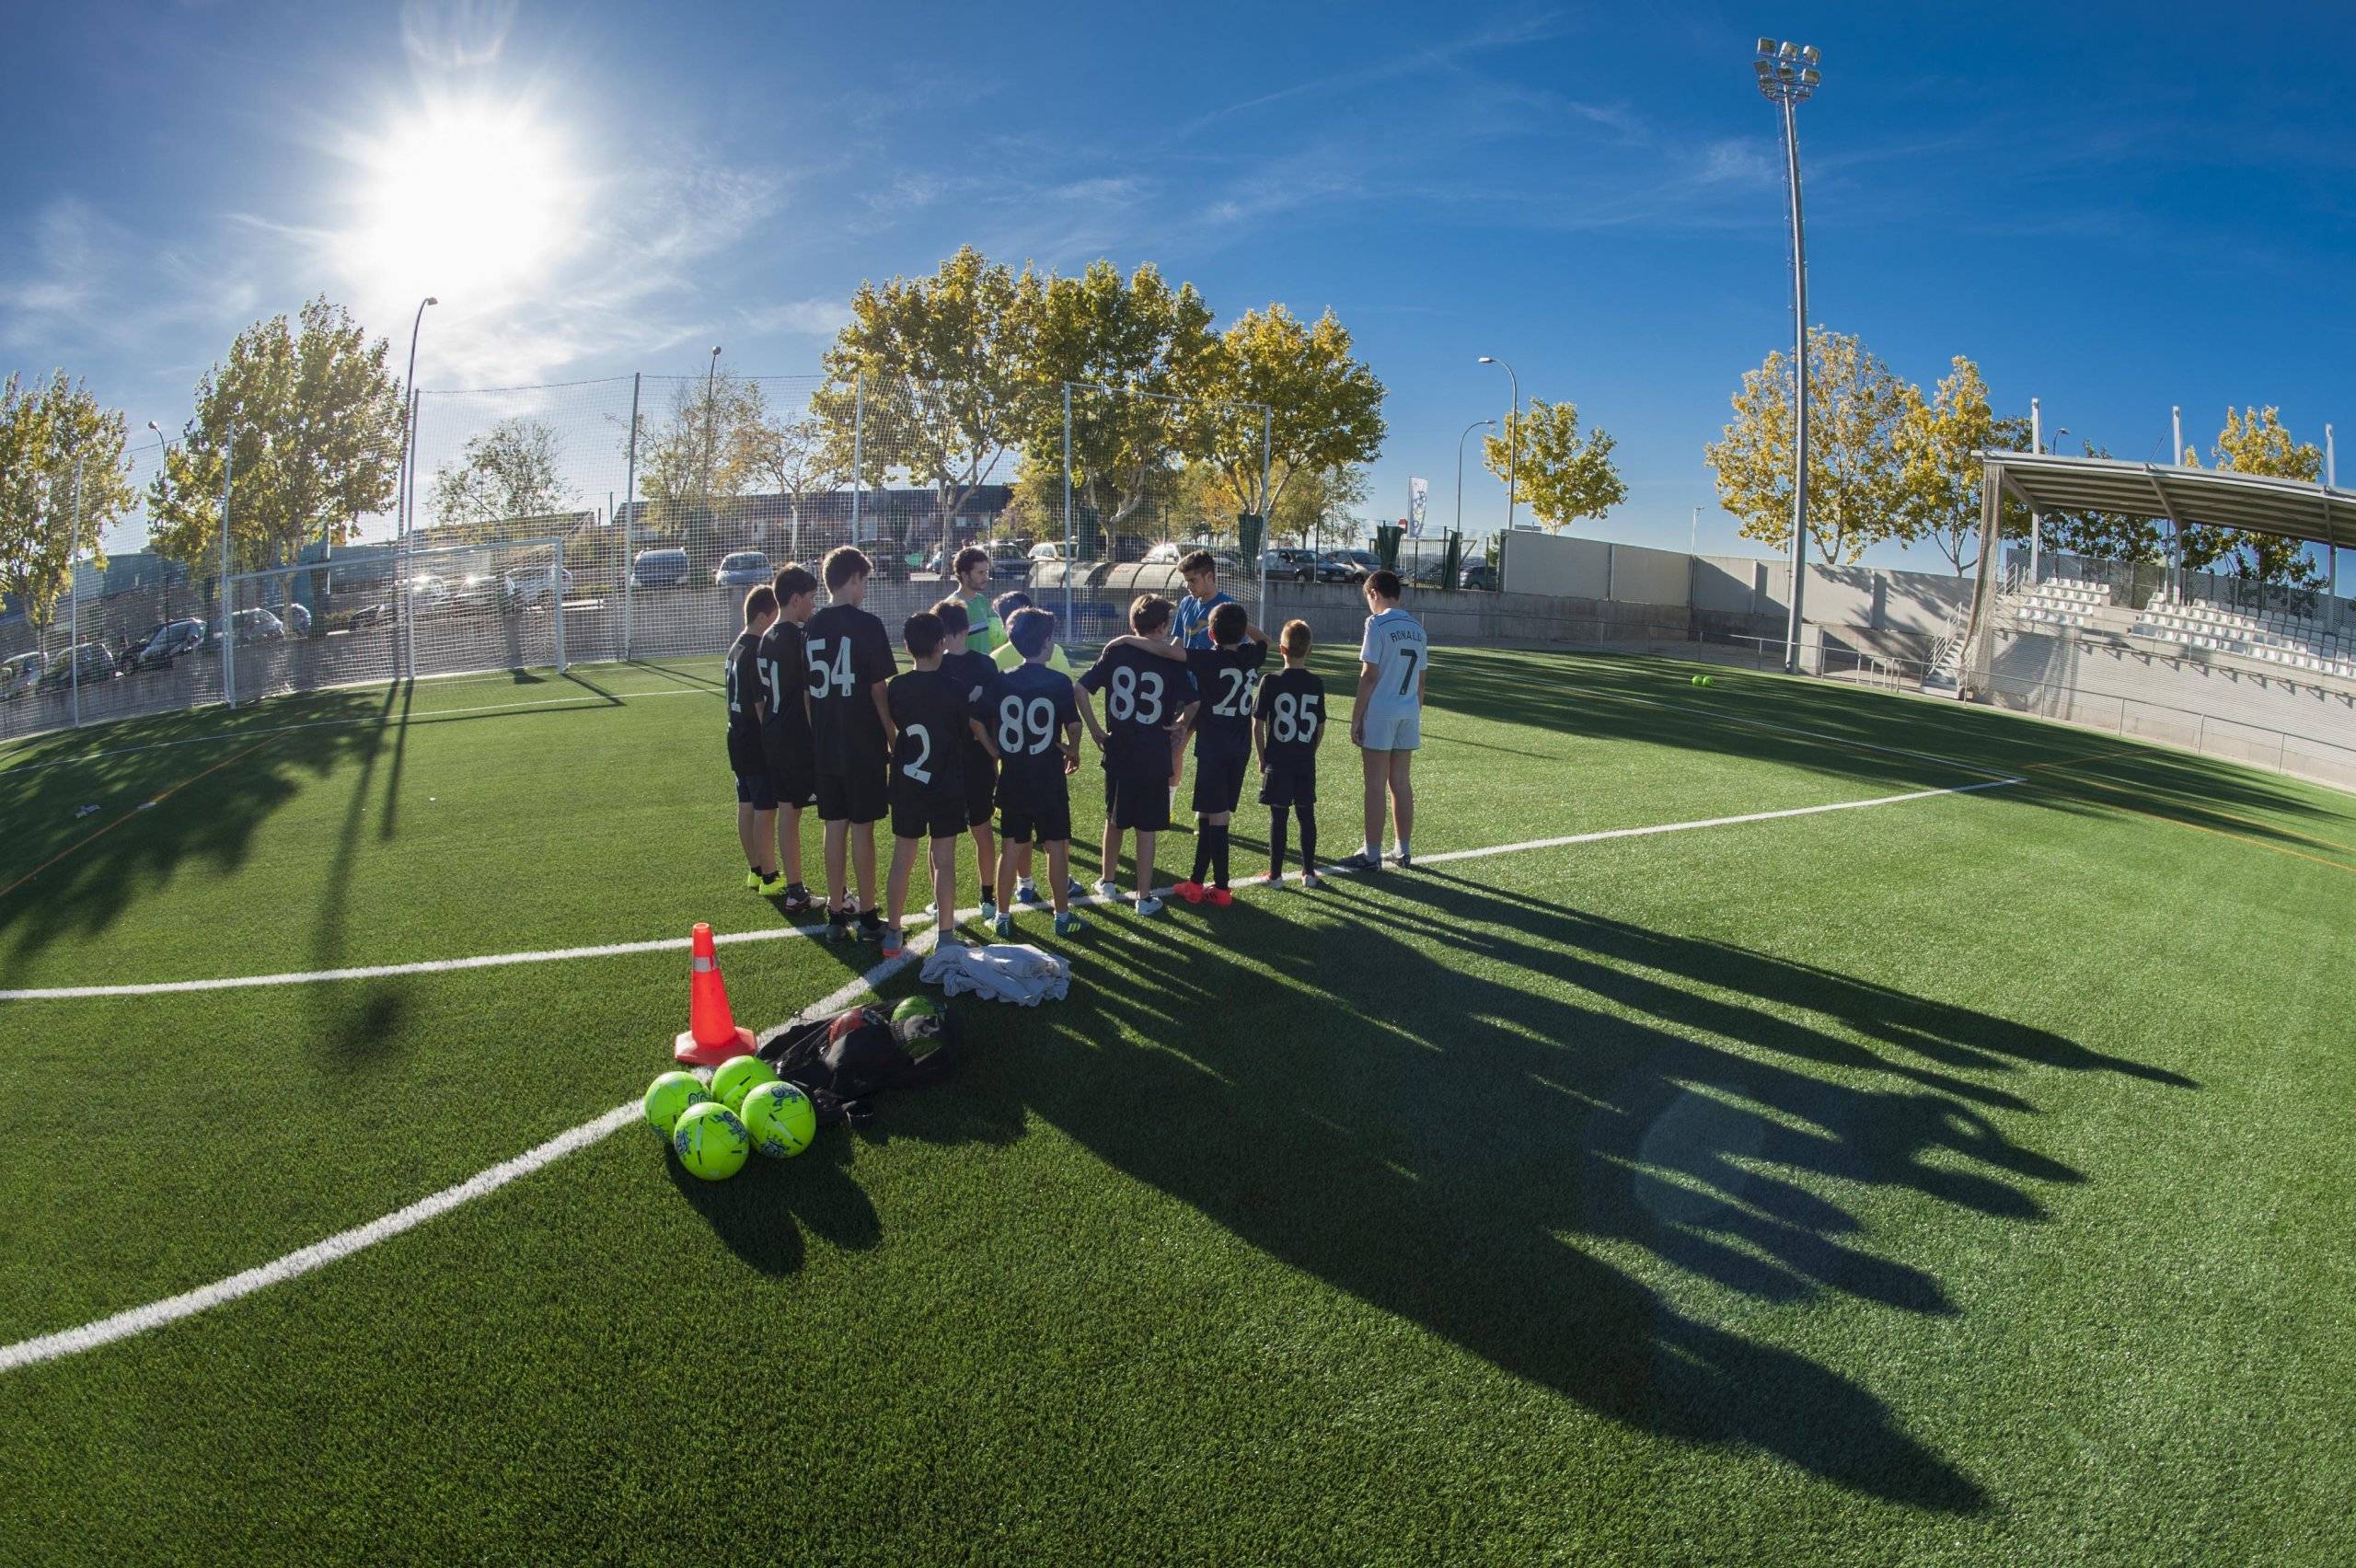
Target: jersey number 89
x,y
1019,723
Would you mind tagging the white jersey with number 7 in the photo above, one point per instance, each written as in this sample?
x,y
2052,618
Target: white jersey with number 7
x,y
1395,646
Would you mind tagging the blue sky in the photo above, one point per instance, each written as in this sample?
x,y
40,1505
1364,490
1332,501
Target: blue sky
x,y
2114,210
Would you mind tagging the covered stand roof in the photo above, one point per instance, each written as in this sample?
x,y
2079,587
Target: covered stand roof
x,y
2217,497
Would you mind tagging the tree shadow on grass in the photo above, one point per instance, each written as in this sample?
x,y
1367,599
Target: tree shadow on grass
x,y
1404,1114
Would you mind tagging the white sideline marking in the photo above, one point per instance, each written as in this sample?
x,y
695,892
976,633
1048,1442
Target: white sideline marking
x,y
139,1319
345,1243
674,944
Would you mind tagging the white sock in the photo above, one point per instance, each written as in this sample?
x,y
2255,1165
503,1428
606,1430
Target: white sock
x,y
1401,851
1370,851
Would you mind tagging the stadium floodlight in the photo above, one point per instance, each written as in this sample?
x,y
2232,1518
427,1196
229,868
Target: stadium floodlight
x,y
1787,77
1513,440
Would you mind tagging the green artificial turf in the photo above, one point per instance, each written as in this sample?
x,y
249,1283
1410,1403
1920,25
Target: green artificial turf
x,y
1955,1180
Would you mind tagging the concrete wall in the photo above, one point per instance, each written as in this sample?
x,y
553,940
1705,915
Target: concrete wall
x,y
1566,565
1336,617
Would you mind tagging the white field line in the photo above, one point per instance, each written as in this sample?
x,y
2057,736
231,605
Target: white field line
x,y
585,699
676,944
343,1244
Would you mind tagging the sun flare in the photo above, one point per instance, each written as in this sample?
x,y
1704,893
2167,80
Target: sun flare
x,y
467,200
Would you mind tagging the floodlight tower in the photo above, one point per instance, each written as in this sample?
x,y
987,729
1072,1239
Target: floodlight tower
x,y
1787,78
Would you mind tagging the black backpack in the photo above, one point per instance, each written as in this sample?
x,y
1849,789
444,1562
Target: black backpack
x,y
842,1063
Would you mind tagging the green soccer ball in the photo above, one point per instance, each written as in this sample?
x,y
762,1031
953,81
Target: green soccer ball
x,y
1701,680
1709,680
710,1142
738,1076
915,1007
780,1119
669,1097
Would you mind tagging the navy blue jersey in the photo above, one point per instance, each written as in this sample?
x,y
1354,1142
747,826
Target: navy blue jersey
x,y
1293,702
977,673
1225,678
1144,694
742,673
785,686
848,652
1029,707
928,705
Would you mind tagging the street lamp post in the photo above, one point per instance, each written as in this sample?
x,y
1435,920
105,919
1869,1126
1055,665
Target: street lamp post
x,y
1787,78
1513,438
1476,424
409,456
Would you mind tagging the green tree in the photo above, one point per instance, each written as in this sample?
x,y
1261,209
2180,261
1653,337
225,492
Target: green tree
x,y
1563,475
689,457
2255,440
1940,473
793,457
945,362
1325,407
1855,478
53,437
317,423
512,471
1134,347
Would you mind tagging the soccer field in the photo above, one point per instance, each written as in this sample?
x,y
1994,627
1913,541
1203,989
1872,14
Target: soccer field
x,y
1775,1120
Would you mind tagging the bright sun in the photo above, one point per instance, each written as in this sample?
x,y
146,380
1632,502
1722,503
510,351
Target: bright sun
x,y
465,200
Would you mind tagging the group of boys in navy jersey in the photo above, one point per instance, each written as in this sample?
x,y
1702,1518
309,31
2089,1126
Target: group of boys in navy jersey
x,y
987,721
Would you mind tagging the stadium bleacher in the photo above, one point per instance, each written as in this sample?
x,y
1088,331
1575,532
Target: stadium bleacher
x,y
2271,636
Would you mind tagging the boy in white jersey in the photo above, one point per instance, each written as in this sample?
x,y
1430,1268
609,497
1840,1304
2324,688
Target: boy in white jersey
x,y
1386,724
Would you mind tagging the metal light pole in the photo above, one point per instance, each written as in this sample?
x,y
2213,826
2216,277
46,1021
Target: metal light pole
x,y
1513,438
2331,546
409,456
1476,424
1787,78
711,436
2175,529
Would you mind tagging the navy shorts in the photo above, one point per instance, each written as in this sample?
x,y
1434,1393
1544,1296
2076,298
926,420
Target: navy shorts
x,y
852,797
1042,820
1139,799
794,771
1288,787
754,790
1219,781
981,786
925,813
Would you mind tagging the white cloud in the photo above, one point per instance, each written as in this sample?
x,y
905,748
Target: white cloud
x,y
819,317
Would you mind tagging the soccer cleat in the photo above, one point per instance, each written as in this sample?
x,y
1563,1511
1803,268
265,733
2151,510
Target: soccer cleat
x,y
1073,889
1221,897
1191,891
1271,879
838,927
1069,923
752,880
1024,892
989,912
1361,861
871,924
1149,905
772,887
1398,857
797,900
1311,880
1109,890
1003,925
892,947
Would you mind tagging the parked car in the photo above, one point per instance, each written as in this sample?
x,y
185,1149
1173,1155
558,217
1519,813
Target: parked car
x,y
742,569
21,674
169,641
249,627
1366,561
428,595
1298,565
890,561
1480,574
1047,553
1129,547
528,588
662,567
1010,560
298,620
475,590
1170,552
87,664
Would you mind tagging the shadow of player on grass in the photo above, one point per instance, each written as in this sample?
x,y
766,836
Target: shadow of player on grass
x,y
1413,1121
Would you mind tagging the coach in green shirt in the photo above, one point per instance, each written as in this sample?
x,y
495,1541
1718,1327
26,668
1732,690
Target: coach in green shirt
x,y
987,627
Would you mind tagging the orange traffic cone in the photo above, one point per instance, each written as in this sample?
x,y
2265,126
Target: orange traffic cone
x,y
713,1036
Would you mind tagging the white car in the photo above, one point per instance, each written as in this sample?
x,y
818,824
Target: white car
x,y
1046,552
528,589
21,674
428,595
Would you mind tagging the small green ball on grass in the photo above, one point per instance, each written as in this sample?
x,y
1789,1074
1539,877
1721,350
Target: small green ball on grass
x,y
738,1076
780,1119
668,1098
711,1142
